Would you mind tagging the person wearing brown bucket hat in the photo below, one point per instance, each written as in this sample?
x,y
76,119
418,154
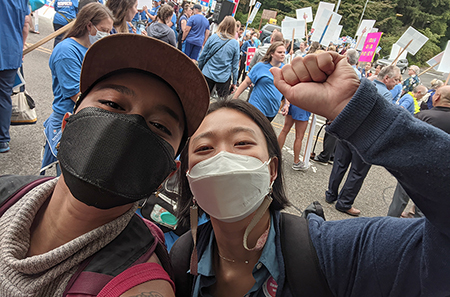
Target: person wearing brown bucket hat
x,y
79,234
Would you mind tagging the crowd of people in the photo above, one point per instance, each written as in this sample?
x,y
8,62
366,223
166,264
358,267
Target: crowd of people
x,y
120,127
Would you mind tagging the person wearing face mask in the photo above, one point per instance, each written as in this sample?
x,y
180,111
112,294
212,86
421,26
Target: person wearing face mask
x,y
79,235
94,22
232,173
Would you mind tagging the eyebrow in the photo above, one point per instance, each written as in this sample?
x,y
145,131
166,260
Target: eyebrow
x,y
210,134
119,88
168,110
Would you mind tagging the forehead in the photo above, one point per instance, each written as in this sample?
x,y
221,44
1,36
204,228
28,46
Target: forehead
x,y
225,122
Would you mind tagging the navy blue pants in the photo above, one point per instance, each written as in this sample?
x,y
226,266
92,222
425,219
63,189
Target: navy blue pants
x,y
6,84
343,156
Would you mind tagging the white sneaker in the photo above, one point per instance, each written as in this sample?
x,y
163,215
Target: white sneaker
x,y
299,166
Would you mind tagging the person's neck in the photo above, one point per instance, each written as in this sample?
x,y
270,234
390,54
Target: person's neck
x,y
275,63
84,40
63,218
442,104
229,238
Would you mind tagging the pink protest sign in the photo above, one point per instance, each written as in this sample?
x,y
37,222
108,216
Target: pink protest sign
x,y
370,47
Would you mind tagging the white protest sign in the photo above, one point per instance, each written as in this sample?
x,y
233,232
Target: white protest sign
x,y
287,18
360,42
394,52
374,30
252,2
366,26
325,28
444,66
435,60
287,26
254,12
418,40
302,12
323,6
337,34
142,3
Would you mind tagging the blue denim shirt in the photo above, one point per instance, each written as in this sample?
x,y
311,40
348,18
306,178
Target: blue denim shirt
x,y
220,65
266,272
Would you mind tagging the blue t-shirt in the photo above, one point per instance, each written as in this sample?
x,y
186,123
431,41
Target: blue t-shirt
x,y
265,95
154,10
199,24
65,64
69,8
136,16
12,19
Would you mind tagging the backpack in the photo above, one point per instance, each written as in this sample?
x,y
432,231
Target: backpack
x,y
94,273
298,251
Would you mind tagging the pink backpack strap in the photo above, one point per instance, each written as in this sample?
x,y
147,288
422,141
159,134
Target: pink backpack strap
x,y
134,276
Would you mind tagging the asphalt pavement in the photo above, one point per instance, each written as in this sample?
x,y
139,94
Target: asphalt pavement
x,y
302,187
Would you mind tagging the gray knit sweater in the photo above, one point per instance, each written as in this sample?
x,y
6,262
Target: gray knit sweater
x,y
46,274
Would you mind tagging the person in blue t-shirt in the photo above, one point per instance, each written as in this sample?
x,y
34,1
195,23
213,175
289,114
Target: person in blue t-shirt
x,y
154,11
265,95
65,12
93,22
196,33
12,20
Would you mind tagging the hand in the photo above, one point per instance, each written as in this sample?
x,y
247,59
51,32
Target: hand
x,y
232,88
322,84
143,32
285,109
144,8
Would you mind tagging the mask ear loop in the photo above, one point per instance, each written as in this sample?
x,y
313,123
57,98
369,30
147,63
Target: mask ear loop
x,y
255,220
194,225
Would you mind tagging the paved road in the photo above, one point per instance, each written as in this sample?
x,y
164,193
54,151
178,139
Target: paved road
x,y
302,187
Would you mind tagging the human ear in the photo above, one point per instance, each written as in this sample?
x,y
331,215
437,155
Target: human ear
x,y
273,168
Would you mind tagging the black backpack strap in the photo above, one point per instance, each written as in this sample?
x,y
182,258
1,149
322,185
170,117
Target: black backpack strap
x,y
11,185
180,256
303,273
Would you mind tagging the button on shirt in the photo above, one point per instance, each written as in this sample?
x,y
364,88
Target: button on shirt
x,y
266,272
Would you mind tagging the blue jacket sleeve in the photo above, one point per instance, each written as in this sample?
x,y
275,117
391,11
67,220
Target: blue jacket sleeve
x,y
390,256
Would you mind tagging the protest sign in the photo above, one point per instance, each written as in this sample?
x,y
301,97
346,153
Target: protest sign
x,y
394,52
302,12
250,54
142,3
370,46
287,27
326,26
412,40
236,3
366,26
254,12
323,6
435,60
267,15
337,34
444,65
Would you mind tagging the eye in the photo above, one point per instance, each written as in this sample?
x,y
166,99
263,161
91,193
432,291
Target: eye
x,y
161,128
203,148
112,104
244,143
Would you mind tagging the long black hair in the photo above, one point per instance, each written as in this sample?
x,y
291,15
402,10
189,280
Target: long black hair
x,y
279,197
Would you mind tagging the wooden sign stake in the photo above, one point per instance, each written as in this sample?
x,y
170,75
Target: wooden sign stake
x,y
429,68
49,37
292,43
400,53
306,26
51,4
326,28
448,77
309,143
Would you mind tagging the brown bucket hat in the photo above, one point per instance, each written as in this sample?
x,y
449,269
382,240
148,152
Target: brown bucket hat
x,y
132,51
